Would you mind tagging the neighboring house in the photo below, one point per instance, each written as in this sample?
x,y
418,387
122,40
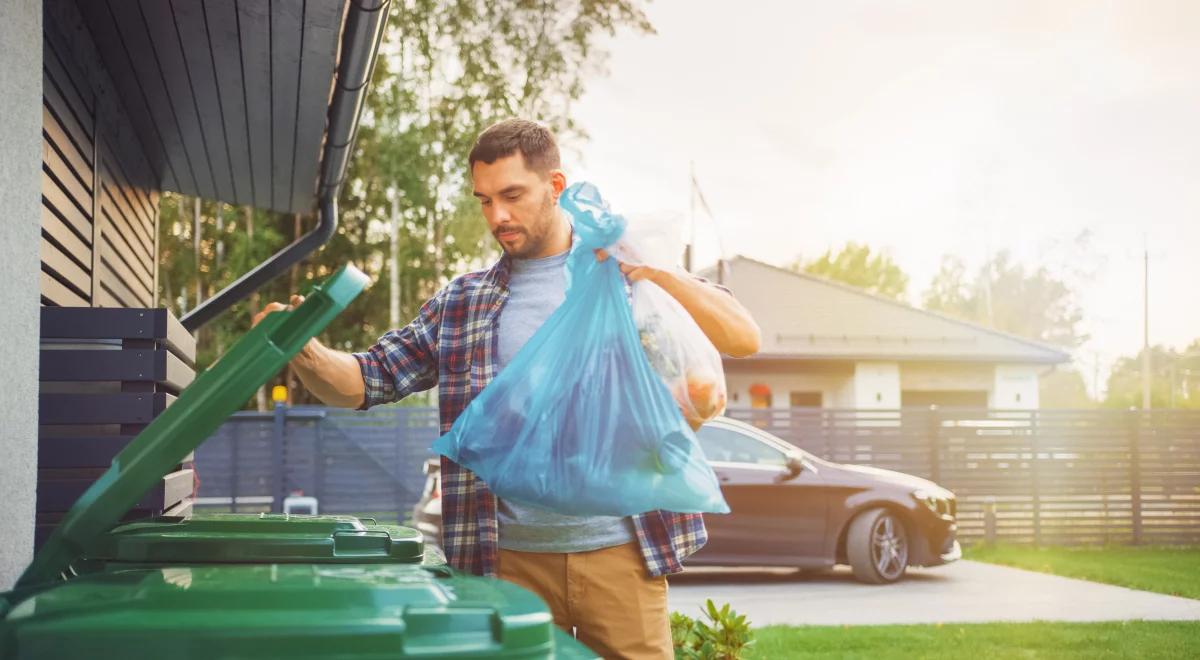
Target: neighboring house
x,y
107,104
831,345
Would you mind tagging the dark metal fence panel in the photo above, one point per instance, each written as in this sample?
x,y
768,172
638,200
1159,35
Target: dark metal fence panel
x,y
373,461
351,461
1044,476
1169,476
236,463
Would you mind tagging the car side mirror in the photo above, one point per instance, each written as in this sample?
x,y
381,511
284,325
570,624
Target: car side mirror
x,y
794,467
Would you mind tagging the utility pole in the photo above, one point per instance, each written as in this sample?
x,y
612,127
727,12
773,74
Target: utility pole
x,y
1146,361
394,266
689,248
293,274
260,395
220,235
196,244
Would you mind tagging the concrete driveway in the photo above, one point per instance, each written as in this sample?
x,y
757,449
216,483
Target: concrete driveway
x,y
965,591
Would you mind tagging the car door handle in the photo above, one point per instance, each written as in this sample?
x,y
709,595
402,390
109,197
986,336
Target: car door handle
x,y
724,478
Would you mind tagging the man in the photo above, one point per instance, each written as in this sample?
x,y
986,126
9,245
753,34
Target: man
x,y
603,576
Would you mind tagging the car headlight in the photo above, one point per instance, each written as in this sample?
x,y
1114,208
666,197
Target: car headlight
x,y
937,501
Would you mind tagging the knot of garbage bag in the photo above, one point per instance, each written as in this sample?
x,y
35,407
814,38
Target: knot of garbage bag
x,y
595,224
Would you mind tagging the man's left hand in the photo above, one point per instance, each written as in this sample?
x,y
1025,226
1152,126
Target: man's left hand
x,y
634,273
722,318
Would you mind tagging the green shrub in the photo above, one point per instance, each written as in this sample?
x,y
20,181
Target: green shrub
x,y
724,636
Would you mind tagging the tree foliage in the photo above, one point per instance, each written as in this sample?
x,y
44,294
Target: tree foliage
x,y
857,265
1064,388
1174,379
1005,295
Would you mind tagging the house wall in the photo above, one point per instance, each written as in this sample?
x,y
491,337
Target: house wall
x,y
1015,387
934,377
842,385
874,385
945,385
843,396
20,172
832,386
99,214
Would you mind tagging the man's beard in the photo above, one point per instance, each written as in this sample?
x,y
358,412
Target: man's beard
x,y
535,236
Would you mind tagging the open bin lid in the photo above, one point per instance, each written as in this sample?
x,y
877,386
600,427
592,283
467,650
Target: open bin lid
x,y
200,409
259,538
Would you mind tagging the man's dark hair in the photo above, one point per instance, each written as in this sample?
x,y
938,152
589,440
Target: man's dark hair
x,y
504,138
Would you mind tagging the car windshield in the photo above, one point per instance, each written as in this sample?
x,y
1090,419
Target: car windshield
x,y
729,445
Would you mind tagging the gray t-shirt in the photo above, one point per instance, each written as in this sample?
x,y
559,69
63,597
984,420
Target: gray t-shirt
x,y
535,289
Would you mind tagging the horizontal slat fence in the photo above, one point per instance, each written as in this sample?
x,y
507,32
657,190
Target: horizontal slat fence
x,y
1051,476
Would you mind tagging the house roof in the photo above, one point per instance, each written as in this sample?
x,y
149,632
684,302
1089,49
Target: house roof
x,y
803,316
231,101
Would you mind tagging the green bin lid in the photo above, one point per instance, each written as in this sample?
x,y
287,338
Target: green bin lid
x,y
285,610
256,538
200,409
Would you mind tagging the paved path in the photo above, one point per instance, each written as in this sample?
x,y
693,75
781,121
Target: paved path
x,y
965,591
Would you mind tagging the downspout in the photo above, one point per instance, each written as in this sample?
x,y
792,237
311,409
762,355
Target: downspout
x,y
365,23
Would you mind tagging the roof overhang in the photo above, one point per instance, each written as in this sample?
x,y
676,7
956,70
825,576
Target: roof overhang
x,y
808,318
250,103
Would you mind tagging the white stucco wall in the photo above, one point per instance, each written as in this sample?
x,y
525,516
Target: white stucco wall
x,y
1015,387
844,395
876,385
830,385
20,237
918,376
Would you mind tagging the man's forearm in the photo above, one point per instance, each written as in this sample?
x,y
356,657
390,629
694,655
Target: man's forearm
x,y
332,376
720,316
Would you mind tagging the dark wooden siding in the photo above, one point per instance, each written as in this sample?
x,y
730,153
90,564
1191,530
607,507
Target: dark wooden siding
x,y
99,197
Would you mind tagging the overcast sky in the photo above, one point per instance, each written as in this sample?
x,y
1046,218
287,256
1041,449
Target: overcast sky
x,y
924,128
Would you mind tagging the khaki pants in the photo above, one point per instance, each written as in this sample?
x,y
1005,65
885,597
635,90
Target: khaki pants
x,y
615,607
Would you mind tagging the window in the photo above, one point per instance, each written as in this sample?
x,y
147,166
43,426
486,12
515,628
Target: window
x,y
730,446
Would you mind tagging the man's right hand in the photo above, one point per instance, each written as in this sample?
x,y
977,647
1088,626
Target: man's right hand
x,y
275,307
332,376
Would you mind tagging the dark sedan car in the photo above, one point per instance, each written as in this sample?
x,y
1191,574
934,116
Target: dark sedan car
x,y
790,508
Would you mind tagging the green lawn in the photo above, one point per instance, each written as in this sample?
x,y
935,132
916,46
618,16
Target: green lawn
x,y
1133,639
1171,570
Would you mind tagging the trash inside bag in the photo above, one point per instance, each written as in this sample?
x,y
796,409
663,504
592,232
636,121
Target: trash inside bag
x,y
677,348
579,421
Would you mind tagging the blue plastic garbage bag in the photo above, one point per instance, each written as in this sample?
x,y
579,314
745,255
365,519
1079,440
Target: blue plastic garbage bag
x,y
579,422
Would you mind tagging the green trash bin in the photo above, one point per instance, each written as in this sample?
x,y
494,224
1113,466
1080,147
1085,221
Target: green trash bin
x,y
254,538
284,610
254,585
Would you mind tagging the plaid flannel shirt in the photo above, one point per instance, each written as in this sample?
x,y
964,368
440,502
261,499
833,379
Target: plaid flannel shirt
x,y
453,344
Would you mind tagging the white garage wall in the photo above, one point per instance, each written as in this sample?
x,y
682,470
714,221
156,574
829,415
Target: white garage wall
x,y
1015,387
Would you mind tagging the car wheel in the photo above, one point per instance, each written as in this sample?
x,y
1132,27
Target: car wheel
x,y
877,547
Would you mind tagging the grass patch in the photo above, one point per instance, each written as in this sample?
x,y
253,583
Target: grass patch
x,y
1173,570
1130,639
